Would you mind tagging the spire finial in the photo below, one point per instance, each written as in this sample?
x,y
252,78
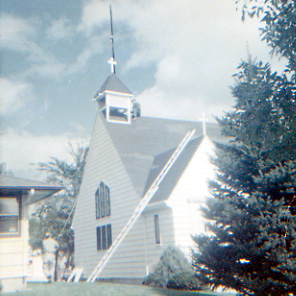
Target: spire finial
x,y
112,59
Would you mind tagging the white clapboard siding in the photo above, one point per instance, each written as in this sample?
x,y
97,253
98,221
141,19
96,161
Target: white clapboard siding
x,y
14,252
166,228
104,164
190,193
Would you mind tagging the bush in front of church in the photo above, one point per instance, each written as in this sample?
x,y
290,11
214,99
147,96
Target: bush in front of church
x,y
173,271
184,280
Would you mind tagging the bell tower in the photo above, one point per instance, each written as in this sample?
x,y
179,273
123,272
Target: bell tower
x,y
114,99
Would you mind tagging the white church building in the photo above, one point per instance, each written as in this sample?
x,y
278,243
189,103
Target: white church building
x,y
127,152
127,155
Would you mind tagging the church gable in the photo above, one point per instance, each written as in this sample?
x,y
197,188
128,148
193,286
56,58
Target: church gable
x,y
105,180
103,164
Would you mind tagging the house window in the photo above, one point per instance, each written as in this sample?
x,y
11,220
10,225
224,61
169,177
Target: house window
x,y
156,229
9,215
103,208
104,237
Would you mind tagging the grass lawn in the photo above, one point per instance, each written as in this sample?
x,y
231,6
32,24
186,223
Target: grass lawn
x,y
101,289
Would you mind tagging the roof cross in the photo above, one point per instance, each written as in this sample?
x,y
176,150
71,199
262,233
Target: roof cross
x,y
112,62
204,121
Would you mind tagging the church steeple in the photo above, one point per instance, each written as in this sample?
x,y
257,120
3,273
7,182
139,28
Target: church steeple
x,y
114,99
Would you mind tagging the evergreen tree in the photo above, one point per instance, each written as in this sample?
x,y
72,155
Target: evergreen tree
x,y
252,245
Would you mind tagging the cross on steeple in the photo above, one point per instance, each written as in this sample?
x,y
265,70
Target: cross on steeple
x,y
204,121
112,62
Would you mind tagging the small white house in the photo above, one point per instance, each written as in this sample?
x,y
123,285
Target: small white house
x,y
16,195
126,154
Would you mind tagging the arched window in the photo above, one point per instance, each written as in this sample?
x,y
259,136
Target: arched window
x,y
103,208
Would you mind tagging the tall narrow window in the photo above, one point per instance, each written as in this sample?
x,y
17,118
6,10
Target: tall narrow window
x,y
109,236
104,241
98,206
9,216
103,208
102,200
108,208
156,229
99,239
104,237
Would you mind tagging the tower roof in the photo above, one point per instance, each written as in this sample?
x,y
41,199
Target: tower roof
x,y
113,84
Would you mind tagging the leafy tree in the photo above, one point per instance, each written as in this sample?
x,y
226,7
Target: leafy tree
x,y
54,214
3,170
69,175
252,242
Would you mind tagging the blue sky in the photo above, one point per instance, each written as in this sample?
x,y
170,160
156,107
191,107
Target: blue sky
x,y
177,57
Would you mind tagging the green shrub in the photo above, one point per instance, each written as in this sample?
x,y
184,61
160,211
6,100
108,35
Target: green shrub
x,y
173,271
185,280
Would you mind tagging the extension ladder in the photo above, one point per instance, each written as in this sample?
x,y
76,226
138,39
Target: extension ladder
x,y
140,208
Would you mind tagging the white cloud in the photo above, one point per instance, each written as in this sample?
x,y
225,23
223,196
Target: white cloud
x,y
60,29
20,150
20,34
50,68
196,46
14,95
94,14
23,35
16,32
156,103
169,69
93,46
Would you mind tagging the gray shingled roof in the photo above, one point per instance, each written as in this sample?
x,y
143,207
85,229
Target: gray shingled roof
x,y
146,145
113,84
169,182
12,185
